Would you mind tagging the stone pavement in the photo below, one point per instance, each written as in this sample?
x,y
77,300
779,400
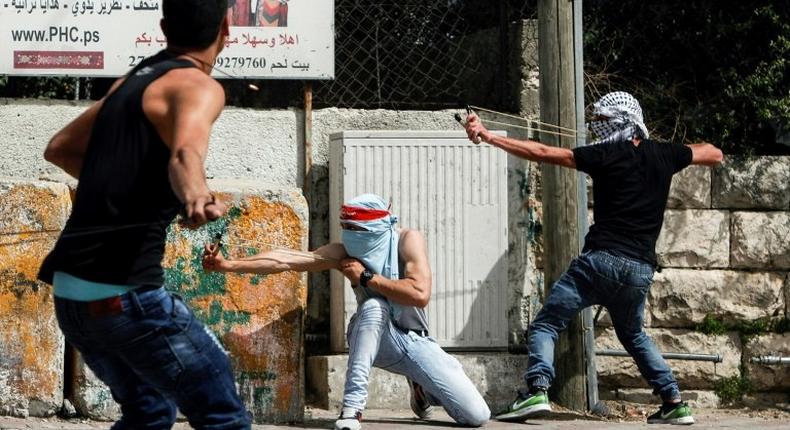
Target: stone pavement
x,y
403,420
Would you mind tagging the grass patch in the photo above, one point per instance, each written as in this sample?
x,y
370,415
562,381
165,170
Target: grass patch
x,y
713,326
733,389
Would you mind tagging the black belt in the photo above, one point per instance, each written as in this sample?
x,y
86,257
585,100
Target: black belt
x,y
421,333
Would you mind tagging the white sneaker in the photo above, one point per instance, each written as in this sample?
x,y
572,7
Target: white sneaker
x,y
419,402
349,419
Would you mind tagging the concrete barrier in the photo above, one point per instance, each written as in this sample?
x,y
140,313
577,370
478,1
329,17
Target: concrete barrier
x,y
31,345
257,319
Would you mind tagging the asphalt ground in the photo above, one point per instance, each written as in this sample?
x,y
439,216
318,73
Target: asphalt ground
x,y
767,419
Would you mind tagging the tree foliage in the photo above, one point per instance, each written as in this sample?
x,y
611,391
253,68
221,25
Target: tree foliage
x,y
35,87
702,69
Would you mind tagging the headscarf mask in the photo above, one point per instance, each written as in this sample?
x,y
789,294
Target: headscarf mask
x,y
376,246
624,119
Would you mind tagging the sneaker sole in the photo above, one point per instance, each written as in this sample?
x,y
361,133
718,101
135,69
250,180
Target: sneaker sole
x,y
423,415
539,410
682,421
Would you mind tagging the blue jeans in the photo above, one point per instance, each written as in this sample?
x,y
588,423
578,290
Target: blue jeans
x,y
621,285
375,341
154,355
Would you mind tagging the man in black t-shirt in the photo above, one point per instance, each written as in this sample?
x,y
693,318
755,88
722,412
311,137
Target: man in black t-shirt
x,y
631,178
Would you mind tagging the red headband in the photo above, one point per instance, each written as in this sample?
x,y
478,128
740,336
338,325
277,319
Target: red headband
x,y
355,213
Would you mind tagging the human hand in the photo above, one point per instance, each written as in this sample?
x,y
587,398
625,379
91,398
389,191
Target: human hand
x,y
475,129
213,260
201,210
352,269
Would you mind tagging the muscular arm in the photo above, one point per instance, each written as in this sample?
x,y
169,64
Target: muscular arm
x,y
705,154
183,105
415,287
531,150
193,113
269,262
67,147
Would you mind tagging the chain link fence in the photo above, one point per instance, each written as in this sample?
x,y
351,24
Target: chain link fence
x,y
411,54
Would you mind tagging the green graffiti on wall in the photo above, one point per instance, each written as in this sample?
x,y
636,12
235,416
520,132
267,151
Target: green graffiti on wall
x,y
188,279
262,393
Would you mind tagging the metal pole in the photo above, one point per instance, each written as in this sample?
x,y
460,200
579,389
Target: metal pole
x,y
771,360
588,323
716,358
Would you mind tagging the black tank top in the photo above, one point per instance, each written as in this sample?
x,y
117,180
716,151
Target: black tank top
x,y
124,203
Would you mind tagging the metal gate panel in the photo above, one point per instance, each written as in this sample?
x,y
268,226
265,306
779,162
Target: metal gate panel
x,y
456,194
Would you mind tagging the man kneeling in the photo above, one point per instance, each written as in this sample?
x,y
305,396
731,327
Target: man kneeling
x,y
391,275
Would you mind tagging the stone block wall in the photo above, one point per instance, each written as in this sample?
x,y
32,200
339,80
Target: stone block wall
x,y
723,285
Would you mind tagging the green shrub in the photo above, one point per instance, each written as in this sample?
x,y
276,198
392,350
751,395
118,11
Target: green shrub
x,y
732,389
713,326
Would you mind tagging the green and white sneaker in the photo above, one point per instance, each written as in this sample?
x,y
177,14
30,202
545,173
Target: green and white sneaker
x,y
526,405
678,414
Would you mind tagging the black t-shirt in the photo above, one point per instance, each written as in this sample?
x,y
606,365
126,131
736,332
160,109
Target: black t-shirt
x,y
630,190
124,203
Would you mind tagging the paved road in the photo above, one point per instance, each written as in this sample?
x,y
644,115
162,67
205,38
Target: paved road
x,y
402,420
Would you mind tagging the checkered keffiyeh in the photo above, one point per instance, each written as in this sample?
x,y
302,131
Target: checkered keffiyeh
x,y
625,119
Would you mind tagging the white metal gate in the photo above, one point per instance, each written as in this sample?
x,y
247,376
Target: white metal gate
x,y
456,194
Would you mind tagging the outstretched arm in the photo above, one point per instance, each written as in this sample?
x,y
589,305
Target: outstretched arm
x,y
531,150
276,261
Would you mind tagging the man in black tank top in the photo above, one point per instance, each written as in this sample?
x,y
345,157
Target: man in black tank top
x,y
139,156
631,178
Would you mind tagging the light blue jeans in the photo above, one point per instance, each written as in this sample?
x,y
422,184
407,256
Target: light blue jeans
x,y
375,341
621,285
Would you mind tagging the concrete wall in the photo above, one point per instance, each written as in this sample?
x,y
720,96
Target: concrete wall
x,y
245,144
259,320
263,147
266,147
31,345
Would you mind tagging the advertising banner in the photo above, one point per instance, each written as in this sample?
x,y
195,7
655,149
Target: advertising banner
x,y
274,39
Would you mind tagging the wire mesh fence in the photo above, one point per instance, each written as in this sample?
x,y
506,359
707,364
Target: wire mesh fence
x,y
415,53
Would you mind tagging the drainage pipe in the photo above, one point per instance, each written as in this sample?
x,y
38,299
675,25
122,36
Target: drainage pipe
x,y
716,358
771,360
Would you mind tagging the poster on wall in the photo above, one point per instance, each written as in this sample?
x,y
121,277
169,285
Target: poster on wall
x,y
270,39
